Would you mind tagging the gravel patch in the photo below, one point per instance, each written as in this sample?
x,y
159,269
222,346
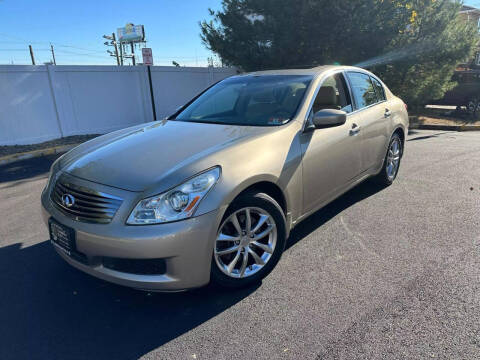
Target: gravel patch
x,y
428,120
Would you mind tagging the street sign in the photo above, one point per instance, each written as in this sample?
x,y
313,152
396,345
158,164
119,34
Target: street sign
x,y
147,56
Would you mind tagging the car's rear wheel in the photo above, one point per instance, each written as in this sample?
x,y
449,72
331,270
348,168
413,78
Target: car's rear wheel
x,y
391,164
250,241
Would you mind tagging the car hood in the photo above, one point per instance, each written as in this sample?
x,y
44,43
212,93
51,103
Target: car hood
x,y
137,158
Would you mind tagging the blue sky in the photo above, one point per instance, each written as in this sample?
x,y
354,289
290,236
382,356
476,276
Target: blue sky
x,y
75,28
171,27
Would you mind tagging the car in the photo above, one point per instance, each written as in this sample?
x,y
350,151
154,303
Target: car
x,y
211,193
465,94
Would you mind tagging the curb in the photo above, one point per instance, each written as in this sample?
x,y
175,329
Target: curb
x,y
445,127
35,153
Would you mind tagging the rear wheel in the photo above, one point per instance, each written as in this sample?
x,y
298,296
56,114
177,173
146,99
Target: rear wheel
x,y
473,107
391,164
250,241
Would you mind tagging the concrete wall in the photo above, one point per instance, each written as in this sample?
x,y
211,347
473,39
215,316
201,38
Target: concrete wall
x,y
40,103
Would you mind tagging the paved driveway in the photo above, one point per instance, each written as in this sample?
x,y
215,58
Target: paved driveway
x,y
380,273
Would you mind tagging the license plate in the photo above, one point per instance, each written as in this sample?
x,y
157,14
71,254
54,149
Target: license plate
x,y
62,236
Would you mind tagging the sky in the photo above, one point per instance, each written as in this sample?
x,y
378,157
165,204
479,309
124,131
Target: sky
x,y
75,29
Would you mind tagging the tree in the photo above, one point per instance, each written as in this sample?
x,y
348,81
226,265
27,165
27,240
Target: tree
x,y
412,45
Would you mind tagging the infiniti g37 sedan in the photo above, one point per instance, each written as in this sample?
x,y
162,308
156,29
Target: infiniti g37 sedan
x,y
212,192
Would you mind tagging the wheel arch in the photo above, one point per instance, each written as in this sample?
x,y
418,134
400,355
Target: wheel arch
x,y
269,188
401,132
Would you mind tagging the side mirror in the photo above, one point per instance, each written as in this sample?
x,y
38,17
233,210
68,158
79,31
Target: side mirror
x,y
328,118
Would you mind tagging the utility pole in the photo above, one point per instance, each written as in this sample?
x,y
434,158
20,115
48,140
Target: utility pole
x,y
31,54
113,42
133,53
121,53
116,48
53,55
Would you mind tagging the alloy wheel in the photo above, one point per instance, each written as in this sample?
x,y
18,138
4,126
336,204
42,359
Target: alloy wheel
x,y
473,106
393,158
246,242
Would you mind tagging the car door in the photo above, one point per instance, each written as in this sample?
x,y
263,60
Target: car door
x,y
370,101
331,157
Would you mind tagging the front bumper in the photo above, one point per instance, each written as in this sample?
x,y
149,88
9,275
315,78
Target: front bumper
x,y
185,246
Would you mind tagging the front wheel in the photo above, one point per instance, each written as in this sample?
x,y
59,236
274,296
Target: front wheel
x,y
250,241
391,164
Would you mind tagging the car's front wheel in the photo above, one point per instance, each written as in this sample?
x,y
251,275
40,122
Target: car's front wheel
x,y
250,241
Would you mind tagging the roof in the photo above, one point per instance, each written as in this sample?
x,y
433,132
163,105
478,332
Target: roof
x,y
312,71
468,9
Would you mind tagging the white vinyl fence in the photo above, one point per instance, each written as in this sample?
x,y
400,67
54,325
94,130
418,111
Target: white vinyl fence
x,y
40,103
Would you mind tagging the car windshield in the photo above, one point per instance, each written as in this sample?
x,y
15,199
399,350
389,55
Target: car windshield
x,y
266,100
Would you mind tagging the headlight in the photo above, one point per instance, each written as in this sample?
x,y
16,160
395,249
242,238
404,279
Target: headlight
x,y
175,204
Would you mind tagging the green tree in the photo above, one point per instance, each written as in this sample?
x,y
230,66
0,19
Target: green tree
x,y
413,45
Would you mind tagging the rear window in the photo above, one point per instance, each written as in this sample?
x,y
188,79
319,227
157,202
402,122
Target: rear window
x,y
379,90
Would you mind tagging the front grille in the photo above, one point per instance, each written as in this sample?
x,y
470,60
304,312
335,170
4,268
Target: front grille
x,y
88,205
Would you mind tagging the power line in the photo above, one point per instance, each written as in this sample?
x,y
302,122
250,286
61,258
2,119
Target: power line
x,y
21,40
78,48
24,49
80,54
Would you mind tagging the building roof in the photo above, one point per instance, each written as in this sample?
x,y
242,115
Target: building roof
x,y
469,9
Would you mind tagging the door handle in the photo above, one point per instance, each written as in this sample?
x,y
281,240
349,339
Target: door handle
x,y
354,130
388,113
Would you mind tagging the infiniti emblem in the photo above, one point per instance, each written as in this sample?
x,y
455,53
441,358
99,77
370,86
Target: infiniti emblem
x,y
68,200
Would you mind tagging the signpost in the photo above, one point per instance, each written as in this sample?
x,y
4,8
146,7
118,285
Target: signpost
x,y
147,56
133,34
148,60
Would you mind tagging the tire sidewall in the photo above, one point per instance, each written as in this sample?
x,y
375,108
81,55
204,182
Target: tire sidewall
x,y
268,204
383,176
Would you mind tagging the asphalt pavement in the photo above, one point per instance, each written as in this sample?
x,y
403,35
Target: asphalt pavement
x,y
381,273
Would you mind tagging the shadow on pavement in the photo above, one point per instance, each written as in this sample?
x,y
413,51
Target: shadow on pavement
x,y
317,219
51,310
428,136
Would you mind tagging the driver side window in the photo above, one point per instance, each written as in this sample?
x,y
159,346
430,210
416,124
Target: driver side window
x,y
333,94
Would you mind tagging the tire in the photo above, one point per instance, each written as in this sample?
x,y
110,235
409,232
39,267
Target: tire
x,y
385,176
259,206
473,107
